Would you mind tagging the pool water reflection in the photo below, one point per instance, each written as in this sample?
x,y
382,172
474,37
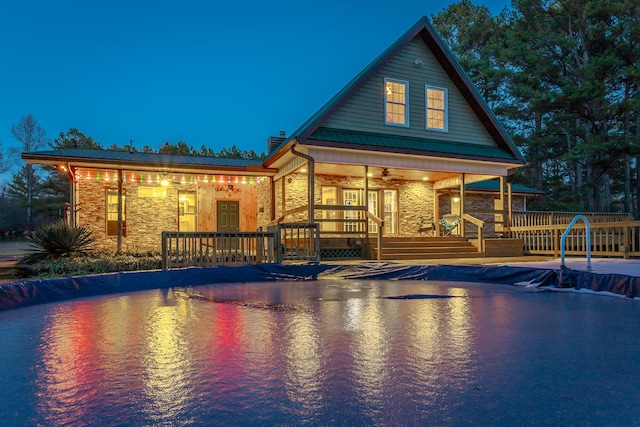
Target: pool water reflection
x,y
344,355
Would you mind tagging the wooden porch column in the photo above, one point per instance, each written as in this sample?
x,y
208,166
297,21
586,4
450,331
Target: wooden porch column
x,y
462,224
436,211
509,206
502,205
366,197
283,198
72,199
119,242
273,199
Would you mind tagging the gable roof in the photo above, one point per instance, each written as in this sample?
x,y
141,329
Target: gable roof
x,y
454,71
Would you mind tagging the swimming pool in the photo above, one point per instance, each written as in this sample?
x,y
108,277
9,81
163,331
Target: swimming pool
x,y
324,353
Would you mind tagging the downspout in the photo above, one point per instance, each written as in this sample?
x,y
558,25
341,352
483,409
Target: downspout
x,y
311,183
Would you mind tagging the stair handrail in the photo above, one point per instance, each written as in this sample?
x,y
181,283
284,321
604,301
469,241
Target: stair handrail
x,y
478,223
564,237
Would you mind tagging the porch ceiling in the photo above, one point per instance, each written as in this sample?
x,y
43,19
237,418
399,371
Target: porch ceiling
x,y
376,172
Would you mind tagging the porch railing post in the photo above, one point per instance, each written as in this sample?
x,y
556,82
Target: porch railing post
x,y
380,242
165,264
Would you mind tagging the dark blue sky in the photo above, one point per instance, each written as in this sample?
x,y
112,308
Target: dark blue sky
x,y
204,72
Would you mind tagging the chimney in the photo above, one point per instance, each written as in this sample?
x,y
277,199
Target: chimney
x,y
274,141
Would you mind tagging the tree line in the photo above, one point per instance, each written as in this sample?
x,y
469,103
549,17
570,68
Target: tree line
x,y
38,194
563,77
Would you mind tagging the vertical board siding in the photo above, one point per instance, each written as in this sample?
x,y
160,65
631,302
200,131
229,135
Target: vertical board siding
x,y
210,193
364,110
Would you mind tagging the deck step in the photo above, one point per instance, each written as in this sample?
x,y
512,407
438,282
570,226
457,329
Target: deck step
x,y
399,248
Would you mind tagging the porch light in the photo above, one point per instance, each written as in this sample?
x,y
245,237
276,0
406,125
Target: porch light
x,y
244,179
456,199
206,178
425,178
63,168
164,181
369,174
303,170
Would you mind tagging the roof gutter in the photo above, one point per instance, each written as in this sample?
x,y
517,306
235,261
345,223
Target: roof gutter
x,y
311,183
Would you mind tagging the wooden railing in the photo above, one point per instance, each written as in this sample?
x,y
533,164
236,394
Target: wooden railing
x,y
297,241
282,242
478,223
615,238
189,249
539,218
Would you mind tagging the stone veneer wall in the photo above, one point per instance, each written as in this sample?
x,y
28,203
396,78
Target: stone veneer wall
x,y
415,199
146,217
480,202
263,187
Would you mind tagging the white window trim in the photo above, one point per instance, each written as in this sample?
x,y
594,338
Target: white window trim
x,y
446,108
406,102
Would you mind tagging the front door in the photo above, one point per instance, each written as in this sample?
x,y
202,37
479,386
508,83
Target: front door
x,y
228,215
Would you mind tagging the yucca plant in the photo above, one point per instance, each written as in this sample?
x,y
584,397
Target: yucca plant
x,y
57,240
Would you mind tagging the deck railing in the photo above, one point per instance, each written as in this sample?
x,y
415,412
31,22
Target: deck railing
x,y
297,241
539,218
283,242
614,238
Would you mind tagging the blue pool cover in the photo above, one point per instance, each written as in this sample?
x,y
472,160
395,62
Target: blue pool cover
x,y
29,292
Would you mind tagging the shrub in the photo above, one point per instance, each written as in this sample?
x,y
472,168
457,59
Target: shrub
x,y
100,262
59,240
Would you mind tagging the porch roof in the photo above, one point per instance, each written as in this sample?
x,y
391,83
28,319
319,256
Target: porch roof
x,y
409,145
493,185
124,159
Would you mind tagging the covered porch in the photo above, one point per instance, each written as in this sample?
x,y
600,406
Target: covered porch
x,y
360,200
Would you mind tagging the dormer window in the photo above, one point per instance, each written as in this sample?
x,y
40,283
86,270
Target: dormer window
x,y
436,108
396,97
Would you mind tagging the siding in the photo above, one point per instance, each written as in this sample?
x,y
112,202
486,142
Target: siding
x,y
364,110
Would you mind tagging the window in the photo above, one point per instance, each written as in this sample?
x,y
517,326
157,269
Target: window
x,y
436,108
396,102
186,211
390,212
329,197
112,213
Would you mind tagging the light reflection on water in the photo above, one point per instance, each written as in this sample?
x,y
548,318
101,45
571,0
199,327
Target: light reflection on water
x,y
347,355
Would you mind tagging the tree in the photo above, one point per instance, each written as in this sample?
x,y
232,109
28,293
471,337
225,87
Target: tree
x,y
31,137
73,138
475,38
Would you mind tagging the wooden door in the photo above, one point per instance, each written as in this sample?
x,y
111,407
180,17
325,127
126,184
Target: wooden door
x,y
228,215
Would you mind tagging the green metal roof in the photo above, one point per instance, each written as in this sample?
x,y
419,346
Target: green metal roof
x,y
112,156
414,145
494,185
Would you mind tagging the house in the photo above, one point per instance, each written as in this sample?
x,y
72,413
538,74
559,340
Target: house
x,y
401,144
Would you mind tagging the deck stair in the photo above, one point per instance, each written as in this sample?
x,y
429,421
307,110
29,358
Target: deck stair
x,y
406,248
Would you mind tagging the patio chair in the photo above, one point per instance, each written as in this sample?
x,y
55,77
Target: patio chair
x,y
426,225
449,222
